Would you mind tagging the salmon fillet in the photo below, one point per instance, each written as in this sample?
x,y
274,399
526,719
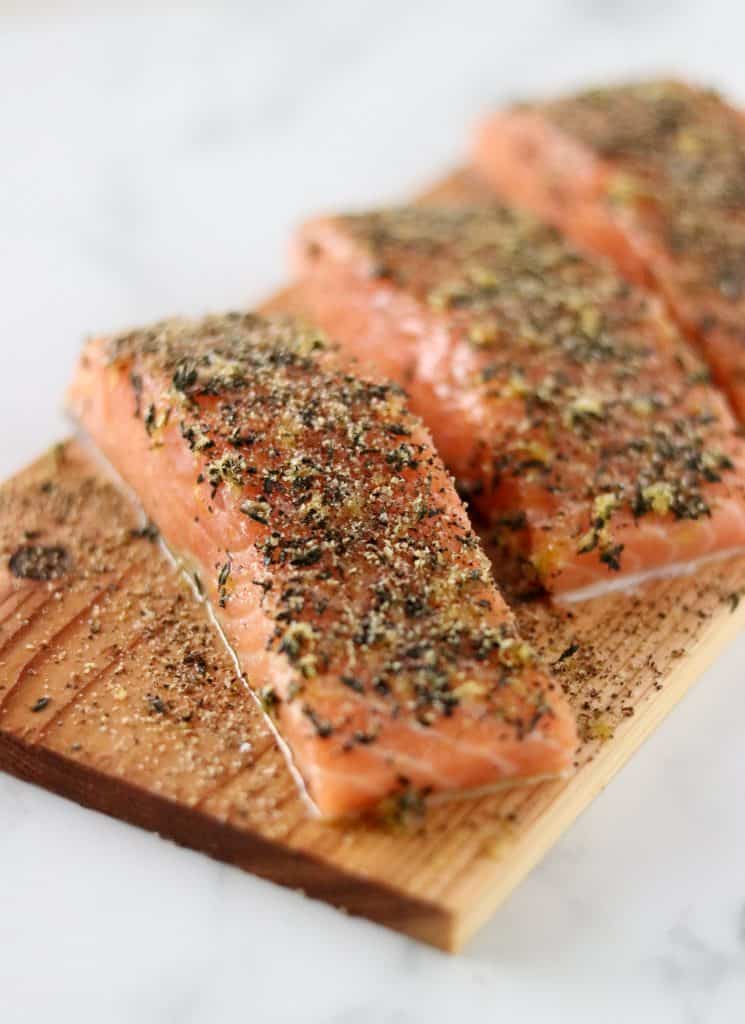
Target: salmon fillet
x,y
652,176
563,399
334,550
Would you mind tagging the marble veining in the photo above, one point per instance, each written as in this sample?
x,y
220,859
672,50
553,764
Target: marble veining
x,y
154,158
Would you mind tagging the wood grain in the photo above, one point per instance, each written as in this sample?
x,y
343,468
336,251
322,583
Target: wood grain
x,y
115,691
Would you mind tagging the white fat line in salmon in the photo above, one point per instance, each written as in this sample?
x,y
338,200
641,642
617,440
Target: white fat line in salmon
x,y
634,581
446,797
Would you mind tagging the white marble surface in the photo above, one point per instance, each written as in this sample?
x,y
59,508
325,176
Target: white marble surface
x,y
152,160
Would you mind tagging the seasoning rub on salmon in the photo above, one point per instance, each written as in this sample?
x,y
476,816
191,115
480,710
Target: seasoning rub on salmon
x,y
334,550
651,175
562,398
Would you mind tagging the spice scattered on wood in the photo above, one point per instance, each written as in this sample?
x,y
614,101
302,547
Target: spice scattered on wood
x,y
38,562
567,653
156,704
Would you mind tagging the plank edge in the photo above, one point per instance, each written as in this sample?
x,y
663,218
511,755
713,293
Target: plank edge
x,y
276,862
570,802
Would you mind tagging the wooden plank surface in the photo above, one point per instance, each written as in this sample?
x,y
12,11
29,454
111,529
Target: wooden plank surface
x,y
119,694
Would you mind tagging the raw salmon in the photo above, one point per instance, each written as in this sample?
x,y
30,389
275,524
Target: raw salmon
x,y
335,553
651,175
563,399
